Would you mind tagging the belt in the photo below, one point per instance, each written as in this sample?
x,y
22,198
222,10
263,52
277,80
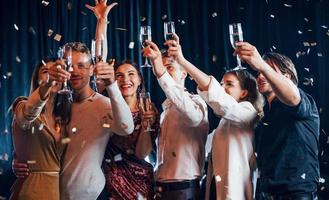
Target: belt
x,y
179,185
300,196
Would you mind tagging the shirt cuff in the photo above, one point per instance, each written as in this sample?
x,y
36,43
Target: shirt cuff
x,y
166,81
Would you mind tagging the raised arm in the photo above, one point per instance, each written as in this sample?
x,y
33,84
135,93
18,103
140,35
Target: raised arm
x,y
191,106
282,86
198,76
123,123
101,11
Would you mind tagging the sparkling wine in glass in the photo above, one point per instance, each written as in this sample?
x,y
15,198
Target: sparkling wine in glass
x,y
145,105
145,34
65,53
236,36
97,56
168,30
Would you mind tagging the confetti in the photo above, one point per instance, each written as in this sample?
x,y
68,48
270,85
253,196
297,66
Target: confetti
x,y
308,51
182,22
328,140
307,69
69,5
117,157
74,130
131,45
143,19
324,26
9,74
50,32
214,58
18,59
300,32
16,27
164,17
309,30
327,33
322,188
313,44
4,76
108,160
43,62
287,5
31,29
319,54
1,171
84,13
106,125
322,180
214,14
57,37
306,44
45,3
66,140
320,110
84,28
271,15
308,81
4,157
32,130
274,47
265,124
306,19
218,178
140,196
121,29
241,8
303,176
322,152
31,162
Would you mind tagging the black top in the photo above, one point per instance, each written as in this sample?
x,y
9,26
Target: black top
x,y
287,147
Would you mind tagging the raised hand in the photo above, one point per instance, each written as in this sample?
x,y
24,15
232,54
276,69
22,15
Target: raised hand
x,y
105,71
57,73
248,53
175,49
101,9
151,51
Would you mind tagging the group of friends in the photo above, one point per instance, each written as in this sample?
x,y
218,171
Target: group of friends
x,y
93,145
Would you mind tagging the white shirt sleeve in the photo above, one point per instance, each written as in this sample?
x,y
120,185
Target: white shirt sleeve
x,y
123,123
192,107
226,106
27,111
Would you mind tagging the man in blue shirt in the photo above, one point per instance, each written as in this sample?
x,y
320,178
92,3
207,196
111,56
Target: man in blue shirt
x,y
288,135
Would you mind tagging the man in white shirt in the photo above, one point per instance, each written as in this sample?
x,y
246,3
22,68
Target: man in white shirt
x,y
184,129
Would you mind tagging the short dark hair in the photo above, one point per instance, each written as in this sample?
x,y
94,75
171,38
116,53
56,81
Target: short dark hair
x,y
284,64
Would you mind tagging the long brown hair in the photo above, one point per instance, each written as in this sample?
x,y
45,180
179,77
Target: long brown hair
x,y
248,82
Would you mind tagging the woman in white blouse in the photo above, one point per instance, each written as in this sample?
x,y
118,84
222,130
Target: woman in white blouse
x,y
239,104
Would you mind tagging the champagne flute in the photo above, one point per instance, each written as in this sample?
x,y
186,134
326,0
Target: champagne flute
x,y
145,34
97,56
168,30
61,53
145,105
236,36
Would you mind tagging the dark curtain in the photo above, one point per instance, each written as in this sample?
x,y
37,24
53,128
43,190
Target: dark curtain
x,y
297,28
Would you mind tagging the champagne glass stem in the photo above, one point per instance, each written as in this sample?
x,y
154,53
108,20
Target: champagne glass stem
x,y
238,61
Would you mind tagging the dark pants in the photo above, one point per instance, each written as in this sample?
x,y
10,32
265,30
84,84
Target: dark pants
x,y
183,190
300,196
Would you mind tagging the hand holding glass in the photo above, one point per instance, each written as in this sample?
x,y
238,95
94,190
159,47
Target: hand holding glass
x,y
168,30
145,105
61,53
